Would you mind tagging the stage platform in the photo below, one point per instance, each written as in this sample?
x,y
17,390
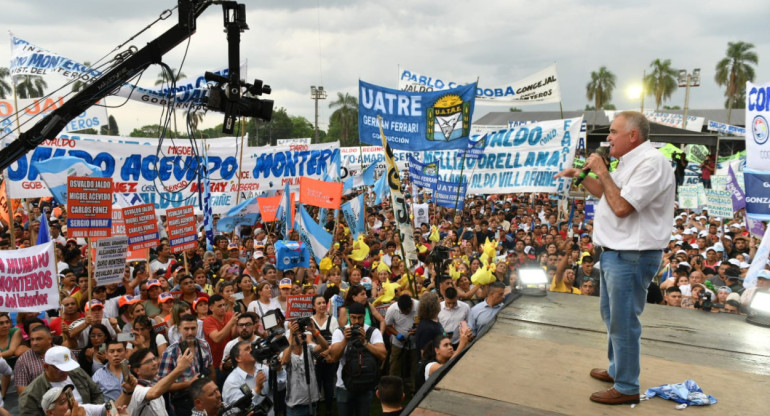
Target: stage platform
x,y
536,358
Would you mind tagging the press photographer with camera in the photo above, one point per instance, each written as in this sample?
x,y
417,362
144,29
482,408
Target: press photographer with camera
x,y
302,390
359,349
202,366
247,371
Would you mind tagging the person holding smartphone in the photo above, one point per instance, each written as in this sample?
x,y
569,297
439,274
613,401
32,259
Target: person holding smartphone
x,y
110,377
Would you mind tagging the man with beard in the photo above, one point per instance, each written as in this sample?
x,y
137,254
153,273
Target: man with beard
x,y
203,364
245,327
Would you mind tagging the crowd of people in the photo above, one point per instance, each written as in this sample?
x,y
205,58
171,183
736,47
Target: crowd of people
x,y
183,336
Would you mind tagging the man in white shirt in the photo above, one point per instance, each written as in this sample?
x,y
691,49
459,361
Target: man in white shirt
x,y
632,224
399,321
247,371
452,313
147,398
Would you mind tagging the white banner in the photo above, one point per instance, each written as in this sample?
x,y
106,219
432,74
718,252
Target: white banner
x,y
539,88
28,279
522,159
110,259
725,128
667,119
28,59
34,109
353,158
167,179
757,126
289,142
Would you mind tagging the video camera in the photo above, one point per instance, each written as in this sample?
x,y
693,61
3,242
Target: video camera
x,y
704,302
356,340
243,405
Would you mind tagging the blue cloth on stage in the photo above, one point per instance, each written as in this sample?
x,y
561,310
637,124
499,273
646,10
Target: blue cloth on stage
x,y
688,393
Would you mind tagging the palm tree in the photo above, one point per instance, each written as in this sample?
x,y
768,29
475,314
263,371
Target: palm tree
x,y
5,87
734,70
345,114
163,77
600,88
661,83
31,86
79,85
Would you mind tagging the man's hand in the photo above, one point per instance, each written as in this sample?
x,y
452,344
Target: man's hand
x,y
185,360
596,164
130,384
568,173
260,381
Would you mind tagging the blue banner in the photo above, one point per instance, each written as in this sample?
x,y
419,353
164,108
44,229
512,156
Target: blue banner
x,y
424,175
757,194
476,147
446,194
416,120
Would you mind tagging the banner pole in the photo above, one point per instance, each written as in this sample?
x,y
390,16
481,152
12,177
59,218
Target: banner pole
x,y
90,267
32,234
460,185
184,256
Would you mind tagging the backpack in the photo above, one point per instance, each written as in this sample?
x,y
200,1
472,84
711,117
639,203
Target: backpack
x,y
361,372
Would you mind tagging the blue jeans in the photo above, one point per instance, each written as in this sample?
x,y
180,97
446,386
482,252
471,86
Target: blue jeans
x,y
625,277
349,404
300,410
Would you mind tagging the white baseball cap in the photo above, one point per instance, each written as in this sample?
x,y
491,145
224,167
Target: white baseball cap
x,y
61,358
49,398
258,254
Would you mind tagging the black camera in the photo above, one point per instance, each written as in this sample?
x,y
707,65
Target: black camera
x,y
268,349
355,335
704,302
304,323
437,255
243,405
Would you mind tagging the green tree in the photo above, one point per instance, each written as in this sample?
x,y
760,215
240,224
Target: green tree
x,y
163,77
111,129
152,130
31,86
79,85
346,114
599,89
735,69
515,110
5,88
301,127
661,83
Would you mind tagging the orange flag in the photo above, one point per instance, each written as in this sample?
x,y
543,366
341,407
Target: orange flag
x,y
320,193
268,207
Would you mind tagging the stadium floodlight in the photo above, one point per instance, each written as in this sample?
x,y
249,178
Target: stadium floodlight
x,y
759,309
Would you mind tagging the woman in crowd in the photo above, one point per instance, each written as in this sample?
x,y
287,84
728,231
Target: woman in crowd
x,y
265,302
439,351
372,318
132,311
226,288
145,337
465,290
10,339
166,302
427,313
94,356
201,308
245,286
325,371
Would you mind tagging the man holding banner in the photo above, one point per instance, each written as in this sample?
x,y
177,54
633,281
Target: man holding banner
x,y
632,224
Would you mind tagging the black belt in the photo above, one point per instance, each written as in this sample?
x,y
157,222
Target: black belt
x,y
607,249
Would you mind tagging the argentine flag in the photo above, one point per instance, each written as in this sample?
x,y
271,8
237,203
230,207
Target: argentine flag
x,y
381,189
55,172
285,212
245,213
318,240
354,215
364,178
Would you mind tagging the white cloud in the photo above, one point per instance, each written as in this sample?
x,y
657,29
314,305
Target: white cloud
x,y
294,44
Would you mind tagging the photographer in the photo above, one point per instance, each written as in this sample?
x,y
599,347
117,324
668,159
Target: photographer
x,y
245,326
202,366
206,399
302,391
249,372
355,396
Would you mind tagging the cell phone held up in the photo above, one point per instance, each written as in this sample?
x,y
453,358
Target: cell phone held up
x,y
124,370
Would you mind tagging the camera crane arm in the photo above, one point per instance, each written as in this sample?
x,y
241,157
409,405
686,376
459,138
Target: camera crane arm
x,y
152,53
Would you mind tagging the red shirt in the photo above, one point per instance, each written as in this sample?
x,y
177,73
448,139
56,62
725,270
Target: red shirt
x,y
56,323
211,324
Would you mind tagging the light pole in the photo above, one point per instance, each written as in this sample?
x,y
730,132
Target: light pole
x,y
688,80
317,93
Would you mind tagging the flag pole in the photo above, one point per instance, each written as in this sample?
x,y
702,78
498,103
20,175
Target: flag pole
x,y
90,267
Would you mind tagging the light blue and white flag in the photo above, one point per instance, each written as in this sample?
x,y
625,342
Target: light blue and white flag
x,y
354,213
245,213
381,189
55,171
364,178
315,237
284,212
205,201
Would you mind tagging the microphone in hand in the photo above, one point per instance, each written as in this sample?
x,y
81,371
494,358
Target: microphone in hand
x,y
601,151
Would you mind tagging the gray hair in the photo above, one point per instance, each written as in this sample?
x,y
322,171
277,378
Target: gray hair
x,y
636,121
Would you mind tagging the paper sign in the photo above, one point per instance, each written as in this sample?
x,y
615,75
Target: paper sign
x,y
299,306
110,262
28,279
89,207
141,226
180,225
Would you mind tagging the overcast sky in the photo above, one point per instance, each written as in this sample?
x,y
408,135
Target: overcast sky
x,y
293,44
